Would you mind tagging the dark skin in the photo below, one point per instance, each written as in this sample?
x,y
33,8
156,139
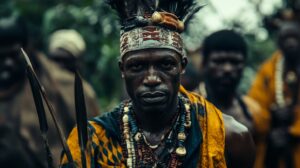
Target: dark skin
x,y
12,73
239,145
223,71
289,44
152,80
13,151
65,59
279,138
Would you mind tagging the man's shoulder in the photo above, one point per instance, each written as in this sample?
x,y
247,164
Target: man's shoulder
x,y
239,145
233,128
108,122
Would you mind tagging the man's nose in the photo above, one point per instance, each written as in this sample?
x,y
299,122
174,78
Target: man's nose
x,y
227,67
152,79
8,62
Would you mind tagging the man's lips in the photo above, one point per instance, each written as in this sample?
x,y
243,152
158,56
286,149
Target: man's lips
x,y
156,97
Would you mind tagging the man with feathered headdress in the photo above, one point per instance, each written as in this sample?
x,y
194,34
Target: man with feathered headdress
x,y
162,125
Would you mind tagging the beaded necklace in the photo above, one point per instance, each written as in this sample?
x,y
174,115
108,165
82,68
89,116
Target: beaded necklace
x,y
137,151
279,97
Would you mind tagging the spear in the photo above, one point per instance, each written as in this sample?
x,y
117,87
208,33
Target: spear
x,y
38,91
81,117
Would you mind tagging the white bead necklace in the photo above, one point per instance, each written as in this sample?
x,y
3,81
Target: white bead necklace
x,y
279,96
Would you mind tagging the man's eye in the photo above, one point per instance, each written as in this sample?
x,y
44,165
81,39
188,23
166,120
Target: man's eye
x,y
167,65
236,62
218,61
136,67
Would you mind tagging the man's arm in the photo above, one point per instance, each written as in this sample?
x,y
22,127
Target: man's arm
x,y
239,145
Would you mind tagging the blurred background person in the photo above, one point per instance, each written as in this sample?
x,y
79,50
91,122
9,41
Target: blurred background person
x,y
12,80
224,57
276,88
191,78
66,47
20,141
257,20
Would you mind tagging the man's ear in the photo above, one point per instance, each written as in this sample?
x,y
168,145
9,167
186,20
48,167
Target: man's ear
x,y
184,62
121,67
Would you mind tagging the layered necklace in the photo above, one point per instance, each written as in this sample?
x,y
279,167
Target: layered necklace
x,y
138,152
291,78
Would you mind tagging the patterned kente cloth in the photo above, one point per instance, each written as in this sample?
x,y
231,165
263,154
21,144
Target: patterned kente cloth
x,y
205,142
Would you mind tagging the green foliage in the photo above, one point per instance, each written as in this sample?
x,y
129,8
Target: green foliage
x,y
99,26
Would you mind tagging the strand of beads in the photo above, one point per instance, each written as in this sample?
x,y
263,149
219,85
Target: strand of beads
x,y
133,132
128,139
279,83
132,136
181,150
188,122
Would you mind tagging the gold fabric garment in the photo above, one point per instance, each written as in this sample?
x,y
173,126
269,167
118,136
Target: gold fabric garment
x,y
263,91
106,151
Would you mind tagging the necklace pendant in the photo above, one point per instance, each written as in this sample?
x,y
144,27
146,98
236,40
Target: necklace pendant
x,y
129,162
153,146
187,107
138,136
188,124
291,77
125,118
181,136
181,151
126,109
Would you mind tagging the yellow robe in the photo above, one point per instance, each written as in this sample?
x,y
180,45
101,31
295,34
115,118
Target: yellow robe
x,y
263,91
109,152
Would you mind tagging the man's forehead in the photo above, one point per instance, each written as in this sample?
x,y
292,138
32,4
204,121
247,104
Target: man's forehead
x,y
151,54
225,54
289,29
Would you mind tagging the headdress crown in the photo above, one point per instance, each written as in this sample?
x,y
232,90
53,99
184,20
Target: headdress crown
x,y
153,23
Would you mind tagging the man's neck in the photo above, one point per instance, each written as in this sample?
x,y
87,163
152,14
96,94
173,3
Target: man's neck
x,y
157,121
220,99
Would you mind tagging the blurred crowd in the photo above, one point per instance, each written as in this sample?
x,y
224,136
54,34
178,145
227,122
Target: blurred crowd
x,y
270,109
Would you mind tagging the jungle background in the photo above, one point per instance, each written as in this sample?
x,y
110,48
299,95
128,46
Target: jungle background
x,y
99,26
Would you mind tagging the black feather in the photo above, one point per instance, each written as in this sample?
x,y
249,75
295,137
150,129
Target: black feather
x,y
38,101
81,117
190,15
119,6
39,105
129,10
38,91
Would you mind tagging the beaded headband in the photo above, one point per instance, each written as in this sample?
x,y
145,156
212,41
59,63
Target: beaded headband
x,y
150,37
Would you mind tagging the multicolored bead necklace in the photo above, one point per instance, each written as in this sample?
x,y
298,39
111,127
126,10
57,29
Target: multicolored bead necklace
x,y
139,153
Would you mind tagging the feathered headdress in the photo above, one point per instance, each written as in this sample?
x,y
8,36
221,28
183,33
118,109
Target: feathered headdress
x,y
153,23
